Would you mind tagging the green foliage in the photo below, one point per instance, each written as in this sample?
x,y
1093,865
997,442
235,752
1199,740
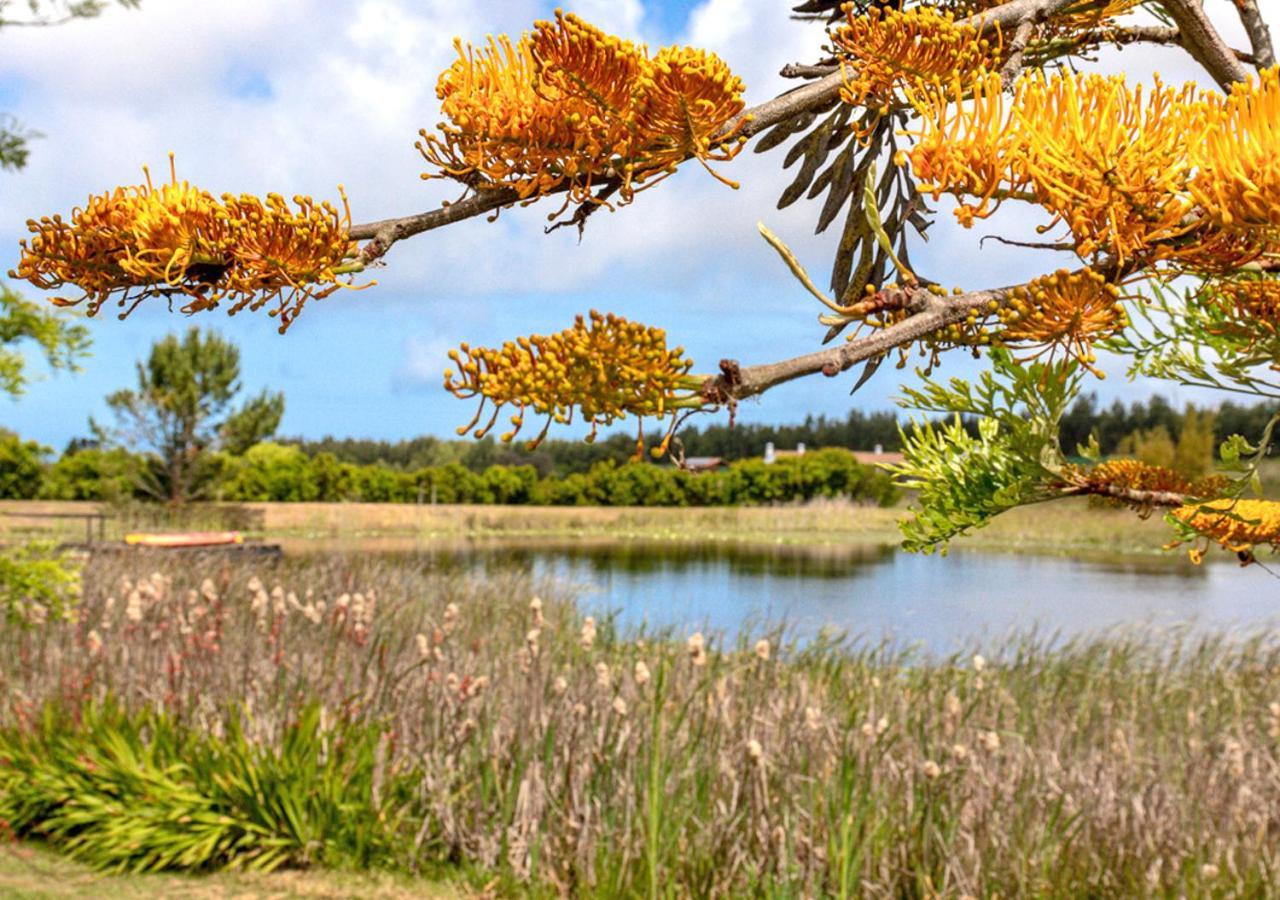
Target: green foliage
x,y
1191,339
275,472
37,584
254,422
62,343
54,12
21,467
13,144
269,472
1152,445
181,408
147,792
92,473
858,430
965,480
1193,455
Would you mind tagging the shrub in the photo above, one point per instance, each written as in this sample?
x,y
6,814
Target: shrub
x,y
142,792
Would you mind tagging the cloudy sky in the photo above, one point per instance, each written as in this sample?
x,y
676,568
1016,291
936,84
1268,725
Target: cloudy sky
x,y
299,96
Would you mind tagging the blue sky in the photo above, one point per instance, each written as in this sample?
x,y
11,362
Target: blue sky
x,y
298,96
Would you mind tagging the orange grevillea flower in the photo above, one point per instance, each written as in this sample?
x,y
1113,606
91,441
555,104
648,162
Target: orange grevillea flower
x,y
570,106
180,241
1238,525
887,49
1237,161
1115,477
967,146
1067,311
1107,160
604,366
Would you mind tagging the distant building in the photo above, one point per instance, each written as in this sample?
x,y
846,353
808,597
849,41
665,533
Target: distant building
x,y
878,456
867,457
772,455
703,463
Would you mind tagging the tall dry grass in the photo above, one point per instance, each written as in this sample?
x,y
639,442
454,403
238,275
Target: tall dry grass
x,y
558,756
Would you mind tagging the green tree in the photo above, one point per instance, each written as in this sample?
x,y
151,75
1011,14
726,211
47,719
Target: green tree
x,y
91,473
182,408
1193,454
21,467
63,343
1154,446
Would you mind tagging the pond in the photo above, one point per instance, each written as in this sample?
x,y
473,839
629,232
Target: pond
x,y
942,604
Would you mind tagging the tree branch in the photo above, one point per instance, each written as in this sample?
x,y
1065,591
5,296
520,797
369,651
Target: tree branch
x,y
1259,34
1146,34
1204,43
382,234
1129,496
931,313
1017,50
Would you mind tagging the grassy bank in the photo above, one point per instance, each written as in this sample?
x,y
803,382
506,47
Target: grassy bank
x,y
36,872
342,712
1067,527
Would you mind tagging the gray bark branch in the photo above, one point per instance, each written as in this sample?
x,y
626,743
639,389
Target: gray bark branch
x,y
1264,52
1203,42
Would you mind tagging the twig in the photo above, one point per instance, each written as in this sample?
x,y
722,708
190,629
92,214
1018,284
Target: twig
x,y
1017,50
1146,34
1264,51
1203,42
931,314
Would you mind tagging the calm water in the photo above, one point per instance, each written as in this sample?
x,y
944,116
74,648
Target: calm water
x,y
943,604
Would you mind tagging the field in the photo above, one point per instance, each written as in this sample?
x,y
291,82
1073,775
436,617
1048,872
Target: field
x,y
1067,527
344,713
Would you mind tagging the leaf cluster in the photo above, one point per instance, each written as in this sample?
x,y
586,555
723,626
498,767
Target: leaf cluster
x,y
145,792
964,480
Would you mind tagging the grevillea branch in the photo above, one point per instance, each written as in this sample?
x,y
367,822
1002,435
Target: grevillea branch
x,y
1264,52
931,314
1203,42
814,95
1129,496
1147,34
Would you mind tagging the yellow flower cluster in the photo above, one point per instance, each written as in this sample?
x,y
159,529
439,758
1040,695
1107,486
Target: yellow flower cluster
x,y
569,106
1238,525
1143,478
1066,310
1236,163
887,49
181,241
604,366
967,149
1107,160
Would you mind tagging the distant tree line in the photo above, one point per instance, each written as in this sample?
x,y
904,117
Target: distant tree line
x,y
1116,427
271,472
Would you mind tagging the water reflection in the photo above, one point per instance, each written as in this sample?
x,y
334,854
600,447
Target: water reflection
x,y
876,592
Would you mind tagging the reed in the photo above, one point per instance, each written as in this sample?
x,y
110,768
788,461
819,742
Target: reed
x,y
482,726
